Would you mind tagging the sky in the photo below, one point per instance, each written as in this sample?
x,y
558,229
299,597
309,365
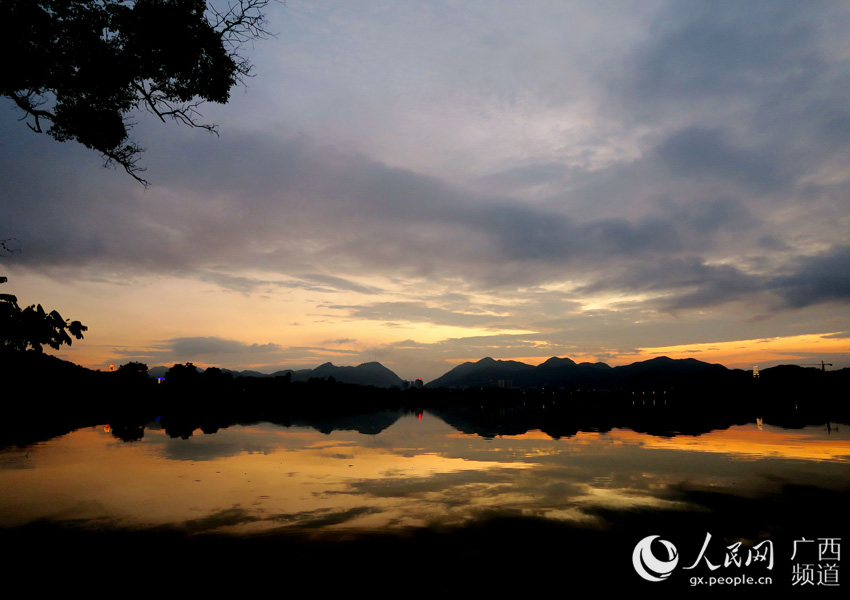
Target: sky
x,y
428,183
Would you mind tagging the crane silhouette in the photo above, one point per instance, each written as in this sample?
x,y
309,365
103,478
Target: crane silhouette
x,y
821,364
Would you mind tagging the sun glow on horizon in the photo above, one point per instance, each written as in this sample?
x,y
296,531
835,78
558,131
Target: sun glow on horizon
x,y
745,353
732,354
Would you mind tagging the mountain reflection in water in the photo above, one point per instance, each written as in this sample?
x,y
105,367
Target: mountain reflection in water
x,y
414,474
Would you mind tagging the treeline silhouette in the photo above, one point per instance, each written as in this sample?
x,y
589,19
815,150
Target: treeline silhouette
x,y
59,397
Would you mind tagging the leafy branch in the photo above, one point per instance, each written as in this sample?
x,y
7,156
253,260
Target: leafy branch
x,y
92,63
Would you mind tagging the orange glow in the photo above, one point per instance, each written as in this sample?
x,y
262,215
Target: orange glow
x,y
738,354
743,442
745,353
748,441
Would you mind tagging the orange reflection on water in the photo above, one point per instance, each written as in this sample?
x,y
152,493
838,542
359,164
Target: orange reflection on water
x,y
292,477
740,441
414,473
534,434
748,441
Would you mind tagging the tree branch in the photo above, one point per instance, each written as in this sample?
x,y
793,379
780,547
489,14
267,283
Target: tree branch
x,y
25,103
128,158
97,61
186,114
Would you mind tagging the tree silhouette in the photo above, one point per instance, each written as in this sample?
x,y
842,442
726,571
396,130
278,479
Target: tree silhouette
x,y
33,327
182,376
79,68
136,370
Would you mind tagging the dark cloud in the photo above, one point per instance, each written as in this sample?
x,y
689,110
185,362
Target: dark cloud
x,y
414,224
769,242
704,50
531,176
206,447
527,234
316,282
311,519
840,335
219,351
234,282
709,216
322,282
236,355
702,153
691,283
420,312
769,75
210,346
682,283
417,225
817,279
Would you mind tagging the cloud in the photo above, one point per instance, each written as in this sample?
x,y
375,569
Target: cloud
x,y
583,171
683,283
704,153
415,224
319,281
840,335
238,355
420,312
211,346
817,279
235,282
701,51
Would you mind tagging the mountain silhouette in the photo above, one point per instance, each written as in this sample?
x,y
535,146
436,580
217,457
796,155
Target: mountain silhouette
x,y
487,372
371,373
564,373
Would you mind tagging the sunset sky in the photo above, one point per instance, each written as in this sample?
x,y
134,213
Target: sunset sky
x,y
426,183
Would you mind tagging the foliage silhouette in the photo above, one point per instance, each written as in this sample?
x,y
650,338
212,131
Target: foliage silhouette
x,y
91,63
133,369
33,327
182,375
213,376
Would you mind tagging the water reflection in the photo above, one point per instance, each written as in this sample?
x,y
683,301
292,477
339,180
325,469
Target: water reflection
x,y
406,471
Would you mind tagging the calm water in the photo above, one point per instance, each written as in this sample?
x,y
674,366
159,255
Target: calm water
x,y
417,473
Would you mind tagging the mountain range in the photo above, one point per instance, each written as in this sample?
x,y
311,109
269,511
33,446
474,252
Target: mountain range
x,y
566,373
555,373
371,373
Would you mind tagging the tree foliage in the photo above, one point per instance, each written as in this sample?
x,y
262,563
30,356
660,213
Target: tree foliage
x,y
137,370
80,68
182,375
33,327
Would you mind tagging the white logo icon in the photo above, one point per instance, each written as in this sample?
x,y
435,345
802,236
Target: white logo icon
x,y
649,567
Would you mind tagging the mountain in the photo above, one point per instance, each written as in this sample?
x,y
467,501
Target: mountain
x,y
371,373
159,371
566,373
487,372
669,372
